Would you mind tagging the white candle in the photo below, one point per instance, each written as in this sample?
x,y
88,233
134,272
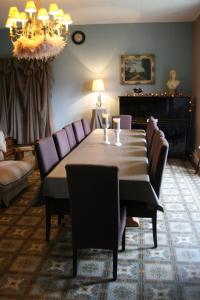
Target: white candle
x,y
105,119
116,123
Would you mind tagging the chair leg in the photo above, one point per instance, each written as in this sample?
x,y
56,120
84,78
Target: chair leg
x,y
124,240
115,257
48,226
74,262
154,225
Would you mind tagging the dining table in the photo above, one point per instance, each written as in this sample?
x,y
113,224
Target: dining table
x,y
130,158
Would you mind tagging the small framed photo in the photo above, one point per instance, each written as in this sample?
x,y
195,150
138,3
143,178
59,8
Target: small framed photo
x,y
138,69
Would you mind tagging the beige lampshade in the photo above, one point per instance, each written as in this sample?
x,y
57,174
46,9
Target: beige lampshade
x,y
43,14
15,15
23,16
67,19
53,9
9,23
60,14
97,85
11,10
30,7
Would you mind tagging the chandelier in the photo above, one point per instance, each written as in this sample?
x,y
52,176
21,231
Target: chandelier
x,y
36,33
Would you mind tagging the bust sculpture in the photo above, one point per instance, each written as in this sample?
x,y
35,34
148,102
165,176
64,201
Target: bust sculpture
x,y
172,83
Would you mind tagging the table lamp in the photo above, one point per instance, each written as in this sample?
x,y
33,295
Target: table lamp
x,y
98,86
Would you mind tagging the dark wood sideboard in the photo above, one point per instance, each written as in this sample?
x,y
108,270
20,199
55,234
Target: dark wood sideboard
x,y
174,116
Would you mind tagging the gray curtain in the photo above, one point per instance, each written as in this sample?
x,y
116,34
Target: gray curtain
x,y
25,99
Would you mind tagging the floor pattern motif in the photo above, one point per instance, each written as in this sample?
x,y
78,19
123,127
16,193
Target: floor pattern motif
x,y
30,268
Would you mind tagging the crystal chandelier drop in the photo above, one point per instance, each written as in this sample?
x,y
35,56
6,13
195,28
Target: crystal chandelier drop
x,y
36,33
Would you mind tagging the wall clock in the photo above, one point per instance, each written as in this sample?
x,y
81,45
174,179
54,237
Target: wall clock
x,y
78,37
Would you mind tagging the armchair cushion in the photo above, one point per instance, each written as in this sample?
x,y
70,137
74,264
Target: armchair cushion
x,y
13,179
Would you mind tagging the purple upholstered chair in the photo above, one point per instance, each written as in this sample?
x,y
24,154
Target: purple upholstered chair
x,y
46,155
86,126
125,121
78,131
155,140
151,128
47,159
61,143
142,209
98,221
71,136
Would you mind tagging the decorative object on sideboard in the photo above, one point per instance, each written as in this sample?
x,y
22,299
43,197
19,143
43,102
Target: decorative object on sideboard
x,y
78,37
36,33
172,83
138,91
137,69
98,87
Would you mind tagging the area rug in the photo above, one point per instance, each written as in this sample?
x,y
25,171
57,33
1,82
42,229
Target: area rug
x,y
30,268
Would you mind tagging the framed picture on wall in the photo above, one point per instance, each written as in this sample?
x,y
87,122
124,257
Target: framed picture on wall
x,y
137,69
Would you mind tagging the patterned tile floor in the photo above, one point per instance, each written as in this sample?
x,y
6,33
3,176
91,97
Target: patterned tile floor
x,y
30,268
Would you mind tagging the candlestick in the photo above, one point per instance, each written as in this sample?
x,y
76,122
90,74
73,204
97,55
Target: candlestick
x,y
117,138
105,137
116,123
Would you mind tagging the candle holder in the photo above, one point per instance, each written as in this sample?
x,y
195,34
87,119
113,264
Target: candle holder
x,y
117,138
105,136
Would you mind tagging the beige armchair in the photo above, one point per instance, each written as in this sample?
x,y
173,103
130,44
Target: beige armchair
x,y
13,175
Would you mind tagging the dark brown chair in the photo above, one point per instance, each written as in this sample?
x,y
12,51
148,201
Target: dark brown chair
x,y
97,220
125,121
47,159
142,209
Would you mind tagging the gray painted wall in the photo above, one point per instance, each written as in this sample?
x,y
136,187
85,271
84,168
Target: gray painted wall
x,y
99,57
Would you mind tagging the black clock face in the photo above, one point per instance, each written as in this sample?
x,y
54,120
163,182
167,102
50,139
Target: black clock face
x,y
78,37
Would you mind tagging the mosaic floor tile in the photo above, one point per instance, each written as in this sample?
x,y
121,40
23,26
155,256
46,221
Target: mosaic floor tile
x,y
20,232
25,264
83,290
47,288
184,239
180,227
148,239
90,268
57,265
13,284
10,245
189,272
191,292
121,290
158,254
190,255
159,272
156,291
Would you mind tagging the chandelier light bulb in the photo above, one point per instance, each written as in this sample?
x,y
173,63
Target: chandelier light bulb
x,y
43,14
30,7
53,9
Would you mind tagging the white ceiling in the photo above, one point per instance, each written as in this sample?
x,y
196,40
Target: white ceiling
x,y
117,11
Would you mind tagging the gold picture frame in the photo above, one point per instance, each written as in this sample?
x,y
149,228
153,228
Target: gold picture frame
x,y
138,69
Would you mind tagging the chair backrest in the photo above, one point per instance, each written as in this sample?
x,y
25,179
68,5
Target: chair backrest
x,y
46,154
94,198
156,138
61,143
78,131
159,158
86,126
71,136
125,121
151,128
